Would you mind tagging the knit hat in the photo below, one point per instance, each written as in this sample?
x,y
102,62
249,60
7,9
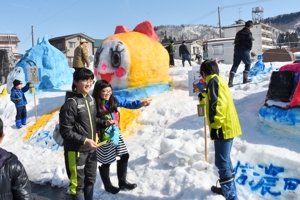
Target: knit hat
x,y
17,82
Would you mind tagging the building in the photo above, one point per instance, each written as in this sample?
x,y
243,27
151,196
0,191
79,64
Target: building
x,y
68,43
222,48
10,42
194,46
97,44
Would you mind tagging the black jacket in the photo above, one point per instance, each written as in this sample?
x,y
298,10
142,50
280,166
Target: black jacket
x,y
243,39
14,182
183,50
77,119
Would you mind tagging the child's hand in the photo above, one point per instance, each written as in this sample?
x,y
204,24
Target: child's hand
x,y
110,122
146,103
92,144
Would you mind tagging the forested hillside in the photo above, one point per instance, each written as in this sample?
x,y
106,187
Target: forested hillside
x,y
289,24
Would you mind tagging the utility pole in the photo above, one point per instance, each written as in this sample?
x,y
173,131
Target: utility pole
x,y
32,36
219,10
241,4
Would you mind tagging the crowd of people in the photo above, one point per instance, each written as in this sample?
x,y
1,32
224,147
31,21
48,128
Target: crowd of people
x,y
90,126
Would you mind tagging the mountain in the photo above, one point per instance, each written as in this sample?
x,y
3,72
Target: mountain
x,y
166,33
285,22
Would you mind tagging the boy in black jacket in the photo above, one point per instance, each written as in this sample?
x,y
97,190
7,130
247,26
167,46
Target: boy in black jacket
x,y
13,178
78,125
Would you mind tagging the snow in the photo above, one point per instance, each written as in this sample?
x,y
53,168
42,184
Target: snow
x,y
167,153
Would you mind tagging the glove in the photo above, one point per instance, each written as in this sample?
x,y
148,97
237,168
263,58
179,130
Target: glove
x,y
200,97
28,84
17,100
214,134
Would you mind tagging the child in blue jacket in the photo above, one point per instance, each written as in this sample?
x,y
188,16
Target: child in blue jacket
x,y
17,96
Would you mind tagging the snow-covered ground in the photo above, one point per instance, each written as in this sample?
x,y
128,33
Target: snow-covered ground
x,y
167,156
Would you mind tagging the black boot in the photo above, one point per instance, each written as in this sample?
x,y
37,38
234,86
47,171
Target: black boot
x,y
88,192
245,77
78,197
122,173
230,82
104,173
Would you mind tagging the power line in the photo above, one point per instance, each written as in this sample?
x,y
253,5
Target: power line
x,y
58,13
203,16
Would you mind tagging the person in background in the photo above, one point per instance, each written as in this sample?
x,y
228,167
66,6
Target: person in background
x,y
13,177
81,59
184,52
199,58
78,123
171,53
242,47
223,123
17,96
114,146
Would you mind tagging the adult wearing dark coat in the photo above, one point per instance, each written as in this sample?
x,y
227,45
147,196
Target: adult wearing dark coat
x,y
184,52
171,53
242,48
14,181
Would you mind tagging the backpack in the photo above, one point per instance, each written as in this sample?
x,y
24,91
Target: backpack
x,y
56,132
168,48
57,137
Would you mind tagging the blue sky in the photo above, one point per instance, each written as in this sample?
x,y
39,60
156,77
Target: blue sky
x,y
98,19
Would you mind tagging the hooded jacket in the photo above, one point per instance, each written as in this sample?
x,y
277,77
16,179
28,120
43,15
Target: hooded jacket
x,y
220,109
15,94
243,39
77,119
14,181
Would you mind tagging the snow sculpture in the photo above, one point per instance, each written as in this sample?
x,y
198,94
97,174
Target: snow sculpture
x,y
258,67
52,66
136,65
283,99
134,62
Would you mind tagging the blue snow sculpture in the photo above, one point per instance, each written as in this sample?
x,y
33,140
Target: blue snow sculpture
x,y
52,65
259,66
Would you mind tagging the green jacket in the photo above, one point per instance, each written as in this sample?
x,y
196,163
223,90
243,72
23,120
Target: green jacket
x,y
220,109
171,49
81,57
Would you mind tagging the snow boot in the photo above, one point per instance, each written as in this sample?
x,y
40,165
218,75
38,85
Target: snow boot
x,y
88,192
19,123
230,81
24,121
245,77
122,173
218,190
78,197
104,173
229,189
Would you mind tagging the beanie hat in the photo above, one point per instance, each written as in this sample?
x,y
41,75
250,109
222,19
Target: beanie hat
x,y
17,82
249,23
